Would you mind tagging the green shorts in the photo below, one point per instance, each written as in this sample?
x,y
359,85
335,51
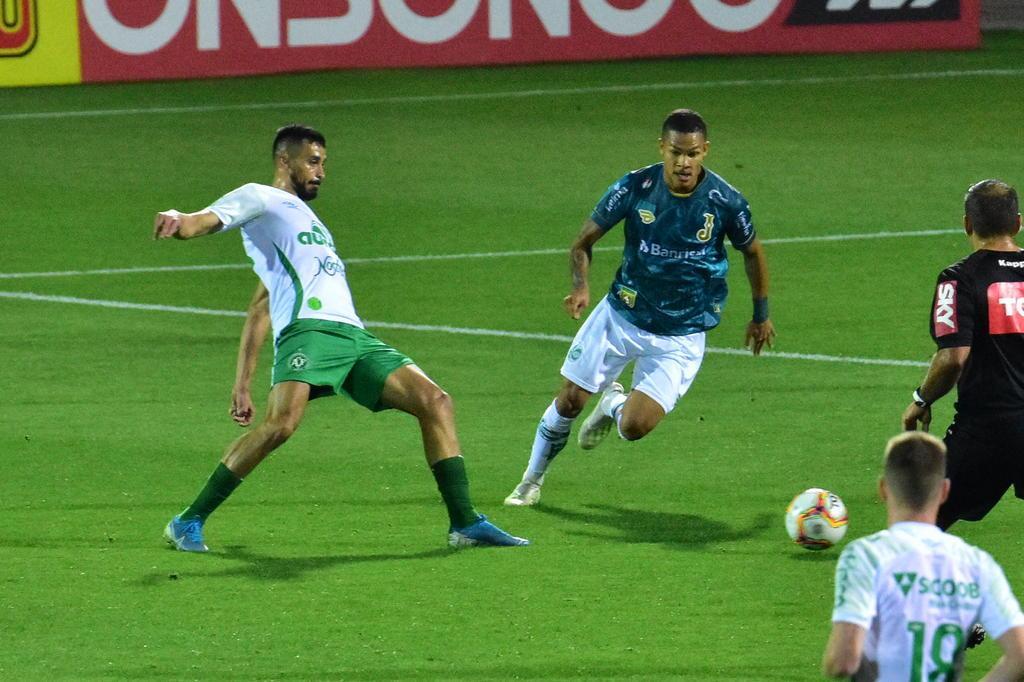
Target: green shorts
x,y
335,358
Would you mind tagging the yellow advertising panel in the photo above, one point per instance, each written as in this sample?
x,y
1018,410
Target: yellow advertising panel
x,y
39,42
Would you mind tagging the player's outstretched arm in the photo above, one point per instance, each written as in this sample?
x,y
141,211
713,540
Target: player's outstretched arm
x,y
760,330
1011,665
254,332
943,373
844,650
172,223
580,255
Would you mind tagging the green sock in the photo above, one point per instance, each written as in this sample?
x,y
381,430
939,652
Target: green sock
x,y
222,483
450,475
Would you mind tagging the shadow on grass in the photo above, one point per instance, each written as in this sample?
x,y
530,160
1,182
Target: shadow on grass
x,y
276,568
681,531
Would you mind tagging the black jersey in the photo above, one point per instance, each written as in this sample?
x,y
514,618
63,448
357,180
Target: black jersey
x,y
979,302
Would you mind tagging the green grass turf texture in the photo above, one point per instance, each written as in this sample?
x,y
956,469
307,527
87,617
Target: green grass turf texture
x,y
665,558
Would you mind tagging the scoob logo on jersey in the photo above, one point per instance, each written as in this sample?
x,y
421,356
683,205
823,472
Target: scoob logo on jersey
x,y
944,316
1006,308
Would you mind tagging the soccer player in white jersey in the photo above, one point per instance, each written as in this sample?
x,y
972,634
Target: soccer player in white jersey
x,y
907,596
321,347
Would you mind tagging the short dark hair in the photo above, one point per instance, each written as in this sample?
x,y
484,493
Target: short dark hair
x,y
992,207
295,134
685,121
915,465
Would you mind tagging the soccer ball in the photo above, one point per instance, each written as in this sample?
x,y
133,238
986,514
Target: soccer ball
x,y
816,519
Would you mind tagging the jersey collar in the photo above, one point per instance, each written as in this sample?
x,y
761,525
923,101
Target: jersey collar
x,y
700,182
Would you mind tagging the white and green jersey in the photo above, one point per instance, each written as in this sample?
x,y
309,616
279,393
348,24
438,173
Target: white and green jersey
x,y
917,591
293,254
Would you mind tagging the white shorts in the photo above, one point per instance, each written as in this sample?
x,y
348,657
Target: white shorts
x,y
607,342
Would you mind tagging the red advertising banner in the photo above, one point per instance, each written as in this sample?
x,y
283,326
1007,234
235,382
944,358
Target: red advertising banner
x,y
162,39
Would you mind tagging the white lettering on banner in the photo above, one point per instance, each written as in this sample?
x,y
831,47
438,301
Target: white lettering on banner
x,y
421,29
554,16
263,20
846,5
132,40
342,30
626,22
735,18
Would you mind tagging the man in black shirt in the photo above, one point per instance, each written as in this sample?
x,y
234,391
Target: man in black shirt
x,y
978,325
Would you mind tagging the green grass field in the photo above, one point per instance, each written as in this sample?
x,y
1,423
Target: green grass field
x,y
661,559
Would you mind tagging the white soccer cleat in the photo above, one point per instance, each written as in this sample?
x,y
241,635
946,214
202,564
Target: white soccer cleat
x,y
597,424
526,494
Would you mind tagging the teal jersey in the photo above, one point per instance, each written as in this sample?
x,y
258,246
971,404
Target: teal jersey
x,y
672,277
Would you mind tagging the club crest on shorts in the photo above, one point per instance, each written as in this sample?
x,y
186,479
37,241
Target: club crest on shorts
x,y
297,362
575,353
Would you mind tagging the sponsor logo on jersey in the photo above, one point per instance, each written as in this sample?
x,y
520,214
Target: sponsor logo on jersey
x,y
656,249
314,303
18,27
905,581
627,296
318,235
329,266
615,198
1011,263
646,217
1006,308
646,184
817,12
944,315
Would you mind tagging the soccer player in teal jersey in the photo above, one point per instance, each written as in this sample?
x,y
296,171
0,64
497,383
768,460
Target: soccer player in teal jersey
x,y
669,290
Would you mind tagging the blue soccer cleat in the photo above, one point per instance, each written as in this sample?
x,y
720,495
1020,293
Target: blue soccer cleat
x,y
186,534
483,533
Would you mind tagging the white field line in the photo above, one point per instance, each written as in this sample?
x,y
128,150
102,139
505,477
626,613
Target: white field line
x,y
450,256
464,331
516,94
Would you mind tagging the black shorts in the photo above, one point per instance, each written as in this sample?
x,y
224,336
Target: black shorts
x,y
985,457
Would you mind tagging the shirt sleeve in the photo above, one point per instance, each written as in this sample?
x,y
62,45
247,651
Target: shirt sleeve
x,y
1000,609
855,600
614,205
741,228
239,206
953,310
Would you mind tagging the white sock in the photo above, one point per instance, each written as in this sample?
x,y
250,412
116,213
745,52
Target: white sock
x,y
552,435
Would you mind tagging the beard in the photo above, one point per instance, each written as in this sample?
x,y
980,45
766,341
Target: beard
x,y
304,190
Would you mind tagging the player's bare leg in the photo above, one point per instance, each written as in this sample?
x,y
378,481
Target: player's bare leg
x,y
634,413
285,407
410,390
551,436
638,415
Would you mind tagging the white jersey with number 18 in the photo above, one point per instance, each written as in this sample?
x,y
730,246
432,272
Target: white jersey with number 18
x,y
918,591
292,252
